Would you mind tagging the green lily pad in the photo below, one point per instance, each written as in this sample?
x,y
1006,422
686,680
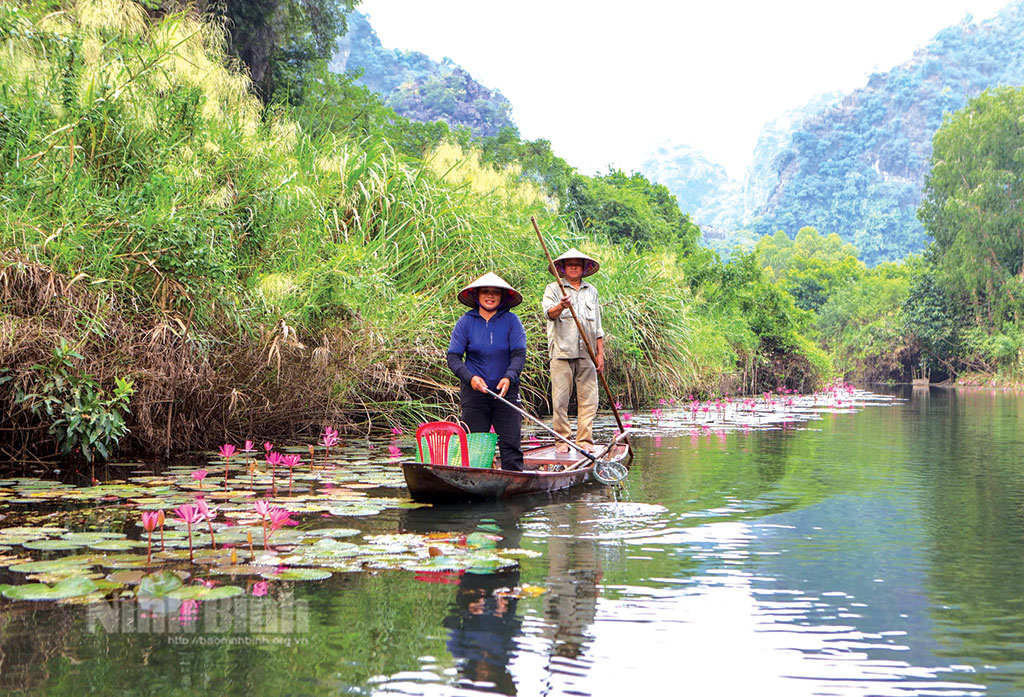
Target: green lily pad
x,y
51,545
298,575
50,565
117,545
67,588
159,584
89,537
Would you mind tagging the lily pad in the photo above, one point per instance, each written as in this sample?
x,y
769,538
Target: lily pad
x,y
51,545
67,588
159,584
298,575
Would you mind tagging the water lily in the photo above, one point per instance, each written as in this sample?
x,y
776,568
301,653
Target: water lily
x,y
656,416
291,462
262,510
199,476
259,589
249,447
394,450
268,446
208,514
274,459
396,431
190,514
150,520
226,451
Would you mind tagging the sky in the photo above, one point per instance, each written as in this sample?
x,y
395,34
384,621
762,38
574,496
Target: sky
x,y
607,82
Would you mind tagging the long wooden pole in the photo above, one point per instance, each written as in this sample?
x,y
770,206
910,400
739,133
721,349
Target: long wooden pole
x,y
586,342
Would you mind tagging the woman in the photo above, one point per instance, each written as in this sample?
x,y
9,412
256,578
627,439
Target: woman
x,y
488,351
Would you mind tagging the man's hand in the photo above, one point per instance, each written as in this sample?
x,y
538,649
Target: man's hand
x,y
478,384
503,386
558,309
599,364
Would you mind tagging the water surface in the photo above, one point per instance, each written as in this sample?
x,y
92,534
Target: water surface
x,y
874,552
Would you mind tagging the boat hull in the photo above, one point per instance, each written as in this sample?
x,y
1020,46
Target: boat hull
x,y
437,483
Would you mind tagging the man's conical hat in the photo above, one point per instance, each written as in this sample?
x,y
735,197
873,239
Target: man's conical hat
x,y
590,265
510,296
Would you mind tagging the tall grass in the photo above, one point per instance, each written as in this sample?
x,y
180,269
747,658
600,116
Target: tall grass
x,y
266,280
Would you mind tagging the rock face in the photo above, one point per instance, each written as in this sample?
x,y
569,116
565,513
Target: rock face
x,y
418,87
855,165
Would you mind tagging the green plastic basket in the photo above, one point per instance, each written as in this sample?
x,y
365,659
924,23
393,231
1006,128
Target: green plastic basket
x,y
481,450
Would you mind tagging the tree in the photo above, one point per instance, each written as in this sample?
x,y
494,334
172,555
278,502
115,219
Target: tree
x,y
972,205
279,39
629,209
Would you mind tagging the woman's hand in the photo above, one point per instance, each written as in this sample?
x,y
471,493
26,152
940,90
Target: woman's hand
x,y
503,386
478,384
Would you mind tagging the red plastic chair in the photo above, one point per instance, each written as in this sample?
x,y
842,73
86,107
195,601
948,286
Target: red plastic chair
x,y
437,434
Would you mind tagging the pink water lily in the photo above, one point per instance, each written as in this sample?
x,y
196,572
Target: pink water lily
x,y
328,439
396,431
259,589
249,447
150,521
226,451
274,459
394,450
263,510
291,462
190,514
208,514
268,446
199,476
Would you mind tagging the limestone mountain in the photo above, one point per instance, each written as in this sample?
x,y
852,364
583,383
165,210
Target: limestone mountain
x,y
418,87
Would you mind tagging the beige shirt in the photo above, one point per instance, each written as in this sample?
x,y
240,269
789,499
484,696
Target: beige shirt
x,y
563,337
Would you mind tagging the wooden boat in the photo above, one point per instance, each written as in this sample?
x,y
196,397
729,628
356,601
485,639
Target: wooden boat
x,y
544,470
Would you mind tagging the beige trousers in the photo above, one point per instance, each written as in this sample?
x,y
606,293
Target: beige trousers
x,y
564,373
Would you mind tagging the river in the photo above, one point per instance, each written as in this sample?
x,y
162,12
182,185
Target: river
x,y
872,551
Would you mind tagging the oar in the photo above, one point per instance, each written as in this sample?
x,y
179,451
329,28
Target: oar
x,y
586,453
579,327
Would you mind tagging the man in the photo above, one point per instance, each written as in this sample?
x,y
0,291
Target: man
x,y
569,360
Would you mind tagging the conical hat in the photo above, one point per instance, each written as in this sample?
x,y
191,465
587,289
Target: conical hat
x,y
510,298
590,265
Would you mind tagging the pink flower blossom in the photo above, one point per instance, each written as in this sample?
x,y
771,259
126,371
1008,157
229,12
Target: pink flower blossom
x,y
394,450
249,447
150,520
396,431
268,446
259,589
199,476
227,450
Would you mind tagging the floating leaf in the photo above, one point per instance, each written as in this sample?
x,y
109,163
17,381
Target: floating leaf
x,y
159,584
298,575
51,545
40,591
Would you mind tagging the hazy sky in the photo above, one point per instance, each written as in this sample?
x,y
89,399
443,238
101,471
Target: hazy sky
x,y
607,81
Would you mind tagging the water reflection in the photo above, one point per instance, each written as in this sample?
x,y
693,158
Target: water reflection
x,y
482,629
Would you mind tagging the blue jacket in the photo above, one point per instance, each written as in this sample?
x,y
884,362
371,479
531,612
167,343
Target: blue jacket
x,y
493,349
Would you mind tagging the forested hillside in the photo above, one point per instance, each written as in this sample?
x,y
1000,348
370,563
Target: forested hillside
x,y
418,87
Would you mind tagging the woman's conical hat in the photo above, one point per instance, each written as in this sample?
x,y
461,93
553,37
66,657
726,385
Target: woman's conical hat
x,y
510,296
590,265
